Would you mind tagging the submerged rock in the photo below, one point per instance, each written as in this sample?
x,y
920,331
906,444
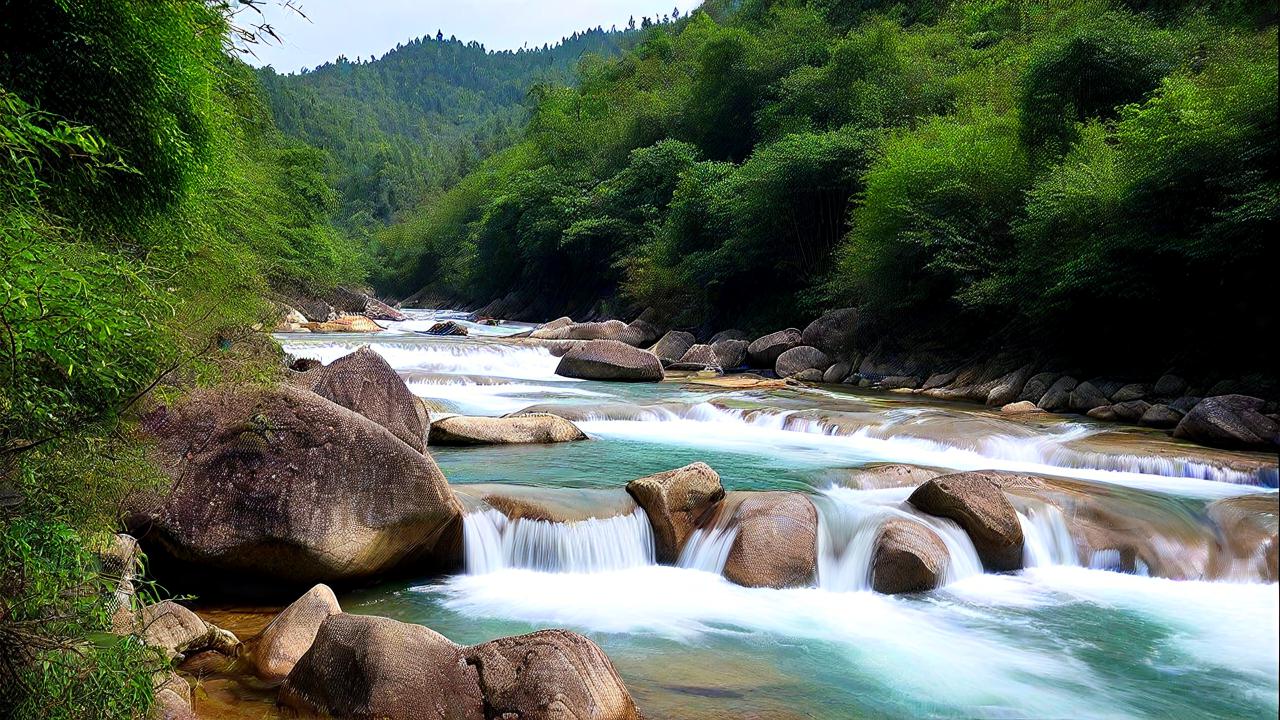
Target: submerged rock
x,y
801,358
764,351
776,544
510,429
549,675
364,382
979,506
610,360
284,484
277,649
1231,421
908,557
373,668
675,500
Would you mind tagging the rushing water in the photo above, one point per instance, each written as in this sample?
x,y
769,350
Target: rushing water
x,y
1067,637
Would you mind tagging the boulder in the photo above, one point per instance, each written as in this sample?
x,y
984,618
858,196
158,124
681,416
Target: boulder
x,y
282,643
358,303
888,475
284,484
507,430
1008,387
610,360
172,698
1106,413
776,544
801,358
837,372
1160,416
764,351
177,632
121,563
363,381
638,333
316,311
372,668
1185,403
1085,397
833,333
549,675
1131,410
674,501
1230,421
898,382
813,375
1036,386
672,346
1021,407
1169,386
1058,396
731,352
345,324
643,331
447,328
908,557
547,331
700,356
979,506
1130,392
940,379
730,334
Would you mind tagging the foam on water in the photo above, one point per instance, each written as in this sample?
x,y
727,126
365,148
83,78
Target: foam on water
x,y
448,356
1045,537
492,542
708,549
498,398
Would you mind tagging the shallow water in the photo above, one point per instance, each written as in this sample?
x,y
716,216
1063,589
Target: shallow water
x,y
1056,640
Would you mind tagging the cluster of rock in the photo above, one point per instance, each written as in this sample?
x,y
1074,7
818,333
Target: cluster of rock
x,y
447,328
341,310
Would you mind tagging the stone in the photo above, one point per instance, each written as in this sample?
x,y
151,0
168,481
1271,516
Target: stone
x,y
1131,410
547,330
177,632
1036,386
549,675
345,324
610,360
937,380
281,483
1106,413
447,328
1230,421
776,543
1058,396
280,645
731,352
672,346
1130,392
764,351
813,375
898,382
800,358
700,356
833,333
980,507
506,430
345,300
1086,397
1169,386
362,667
1022,407
1185,403
837,372
675,501
909,557
364,382
731,334
1008,387
1160,416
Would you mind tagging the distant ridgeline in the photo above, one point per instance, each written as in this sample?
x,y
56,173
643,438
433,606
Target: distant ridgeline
x,y
417,119
1093,179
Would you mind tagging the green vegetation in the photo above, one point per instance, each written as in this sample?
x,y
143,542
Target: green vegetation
x,y
147,208
1057,175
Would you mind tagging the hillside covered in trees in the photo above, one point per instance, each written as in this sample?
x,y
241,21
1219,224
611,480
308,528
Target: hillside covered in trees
x,y
1065,175
406,125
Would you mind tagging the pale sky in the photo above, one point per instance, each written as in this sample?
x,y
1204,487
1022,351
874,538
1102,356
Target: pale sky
x,y
357,28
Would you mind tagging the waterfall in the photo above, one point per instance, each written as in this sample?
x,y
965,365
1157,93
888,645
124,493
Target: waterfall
x,y
1045,537
493,542
708,549
849,524
451,356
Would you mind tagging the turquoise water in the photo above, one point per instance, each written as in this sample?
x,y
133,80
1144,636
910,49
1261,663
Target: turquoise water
x,y
1049,642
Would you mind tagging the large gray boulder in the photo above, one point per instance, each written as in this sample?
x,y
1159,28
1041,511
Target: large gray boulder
x,y
364,382
1036,386
283,484
1085,397
610,360
672,346
777,541
358,303
1058,396
1160,416
508,430
764,351
372,668
674,501
801,358
978,505
908,557
698,357
731,352
730,334
277,649
833,333
1230,421
1008,387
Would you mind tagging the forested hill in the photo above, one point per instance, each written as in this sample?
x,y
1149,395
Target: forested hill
x,y
1091,178
415,120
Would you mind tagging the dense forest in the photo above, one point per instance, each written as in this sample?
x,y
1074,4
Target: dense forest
x,y
1071,176
402,127
148,207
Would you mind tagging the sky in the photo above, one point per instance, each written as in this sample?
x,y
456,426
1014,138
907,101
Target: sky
x,y
360,28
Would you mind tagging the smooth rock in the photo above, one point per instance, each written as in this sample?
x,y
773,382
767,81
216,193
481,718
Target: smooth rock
x,y
801,358
833,333
909,557
1086,397
730,334
812,375
448,328
1037,385
610,360
673,345
1230,421
1058,396
701,355
506,430
281,644
764,351
980,507
1130,392
1169,386
1106,413
837,372
364,382
1131,410
176,631
1021,407
898,382
776,544
731,352
1160,416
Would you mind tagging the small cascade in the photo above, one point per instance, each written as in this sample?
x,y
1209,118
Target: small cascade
x,y
493,542
443,356
1045,537
849,524
708,549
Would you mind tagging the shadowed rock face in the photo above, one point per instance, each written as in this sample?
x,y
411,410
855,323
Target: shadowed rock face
x,y
672,346
674,501
801,358
777,541
372,668
610,360
281,644
284,484
363,381
1230,421
513,429
550,675
764,351
833,333
978,505
702,355
909,557
730,352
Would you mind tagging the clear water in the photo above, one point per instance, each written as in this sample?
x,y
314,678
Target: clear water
x,y
1056,640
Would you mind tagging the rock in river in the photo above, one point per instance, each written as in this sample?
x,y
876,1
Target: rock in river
x,y
507,430
776,544
610,360
979,506
674,501
908,557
